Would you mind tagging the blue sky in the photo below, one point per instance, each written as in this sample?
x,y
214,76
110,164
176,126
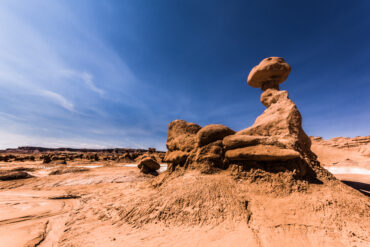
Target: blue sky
x,y
115,73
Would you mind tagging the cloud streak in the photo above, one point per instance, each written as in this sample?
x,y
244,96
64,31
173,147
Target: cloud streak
x,y
85,77
58,99
88,79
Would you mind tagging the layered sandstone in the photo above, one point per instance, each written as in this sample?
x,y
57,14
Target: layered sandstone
x,y
276,137
359,144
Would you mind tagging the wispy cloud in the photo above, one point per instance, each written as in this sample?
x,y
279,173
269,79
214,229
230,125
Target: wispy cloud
x,y
58,99
88,79
85,77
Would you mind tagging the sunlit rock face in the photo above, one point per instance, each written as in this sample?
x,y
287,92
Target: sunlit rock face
x,y
281,121
269,73
276,139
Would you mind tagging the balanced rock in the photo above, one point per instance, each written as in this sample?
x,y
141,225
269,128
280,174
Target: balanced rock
x,y
269,73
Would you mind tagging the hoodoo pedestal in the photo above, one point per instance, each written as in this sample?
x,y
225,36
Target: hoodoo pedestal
x,y
276,140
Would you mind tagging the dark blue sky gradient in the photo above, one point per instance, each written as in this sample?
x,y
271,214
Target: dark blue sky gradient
x,y
156,61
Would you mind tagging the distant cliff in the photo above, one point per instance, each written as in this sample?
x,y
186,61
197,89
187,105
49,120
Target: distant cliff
x,y
360,144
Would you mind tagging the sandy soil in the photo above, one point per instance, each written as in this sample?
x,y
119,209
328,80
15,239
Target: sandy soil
x,y
118,206
347,164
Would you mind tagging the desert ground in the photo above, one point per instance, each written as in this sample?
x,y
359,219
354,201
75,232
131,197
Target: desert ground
x,y
110,203
268,185
347,158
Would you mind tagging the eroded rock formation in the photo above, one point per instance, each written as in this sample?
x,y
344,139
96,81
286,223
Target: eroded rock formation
x,y
148,164
276,140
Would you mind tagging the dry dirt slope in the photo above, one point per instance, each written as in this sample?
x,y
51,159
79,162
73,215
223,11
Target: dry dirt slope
x,y
119,207
194,209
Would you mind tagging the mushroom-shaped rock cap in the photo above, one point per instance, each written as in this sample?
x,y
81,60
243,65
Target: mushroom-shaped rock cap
x,y
270,72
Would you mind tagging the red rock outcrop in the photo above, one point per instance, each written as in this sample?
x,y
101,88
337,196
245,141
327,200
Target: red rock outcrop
x,y
281,122
276,139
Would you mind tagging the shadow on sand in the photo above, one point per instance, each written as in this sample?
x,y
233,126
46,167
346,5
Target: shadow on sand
x,y
364,188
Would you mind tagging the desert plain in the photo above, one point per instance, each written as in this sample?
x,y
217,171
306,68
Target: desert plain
x,y
268,185
87,201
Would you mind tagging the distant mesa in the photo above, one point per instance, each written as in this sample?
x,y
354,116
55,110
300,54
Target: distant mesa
x,y
276,140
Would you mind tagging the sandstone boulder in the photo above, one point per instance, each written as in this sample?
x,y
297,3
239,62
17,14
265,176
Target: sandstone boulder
x,y
269,73
237,141
153,156
13,175
206,157
176,157
261,153
213,132
211,152
46,159
59,162
148,164
182,136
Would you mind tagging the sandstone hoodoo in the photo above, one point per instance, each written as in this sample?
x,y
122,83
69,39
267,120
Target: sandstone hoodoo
x,y
276,140
264,179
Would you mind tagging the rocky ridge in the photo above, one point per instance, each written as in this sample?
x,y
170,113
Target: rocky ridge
x,y
359,143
